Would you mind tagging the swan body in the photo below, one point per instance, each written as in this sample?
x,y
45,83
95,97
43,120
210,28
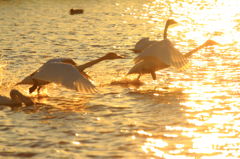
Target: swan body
x,y
149,65
16,99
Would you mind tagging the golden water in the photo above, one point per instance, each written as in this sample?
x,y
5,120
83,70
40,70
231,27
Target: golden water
x,y
191,114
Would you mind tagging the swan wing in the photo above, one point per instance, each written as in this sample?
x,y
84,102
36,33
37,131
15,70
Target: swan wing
x,y
29,78
63,60
142,44
160,51
178,60
66,75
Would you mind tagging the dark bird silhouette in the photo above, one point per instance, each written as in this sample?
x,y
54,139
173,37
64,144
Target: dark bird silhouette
x,y
76,11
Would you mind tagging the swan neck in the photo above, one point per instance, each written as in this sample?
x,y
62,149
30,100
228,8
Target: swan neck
x,y
19,98
165,31
89,64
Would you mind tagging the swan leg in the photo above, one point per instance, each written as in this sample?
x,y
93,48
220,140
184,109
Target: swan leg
x,y
38,90
34,87
138,78
154,77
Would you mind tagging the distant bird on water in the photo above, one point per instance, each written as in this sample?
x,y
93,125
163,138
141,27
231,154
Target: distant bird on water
x,y
65,71
145,42
162,55
76,11
16,99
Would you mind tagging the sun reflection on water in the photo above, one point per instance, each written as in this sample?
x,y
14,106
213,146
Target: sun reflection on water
x,y
212,90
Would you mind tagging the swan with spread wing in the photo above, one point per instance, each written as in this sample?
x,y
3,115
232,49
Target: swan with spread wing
x,y
66,72
162,54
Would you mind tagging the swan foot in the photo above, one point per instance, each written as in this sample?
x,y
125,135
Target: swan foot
x,y
138,78
38,90
33,88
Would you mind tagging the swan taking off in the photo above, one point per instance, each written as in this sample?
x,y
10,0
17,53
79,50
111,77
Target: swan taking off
x,y
162,54
16,99
145,42
65,71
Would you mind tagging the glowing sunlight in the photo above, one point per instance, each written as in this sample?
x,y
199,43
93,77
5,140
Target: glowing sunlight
x,y
211,104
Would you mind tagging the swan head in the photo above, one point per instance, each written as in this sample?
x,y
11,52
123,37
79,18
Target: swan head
x,y
170,22
111,56
210,43
19,98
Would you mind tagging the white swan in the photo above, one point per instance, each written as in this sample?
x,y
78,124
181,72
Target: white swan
x,y
145,42
65,71
16,99
161,55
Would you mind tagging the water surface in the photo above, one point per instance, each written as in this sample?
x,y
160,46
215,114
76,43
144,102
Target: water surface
x,y
190,114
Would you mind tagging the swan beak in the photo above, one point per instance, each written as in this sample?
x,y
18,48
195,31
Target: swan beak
x,y
135,51
212,42
17,83
175,22
120,57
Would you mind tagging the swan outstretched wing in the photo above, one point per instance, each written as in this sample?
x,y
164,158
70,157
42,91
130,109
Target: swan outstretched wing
x,y
178,60
66,75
